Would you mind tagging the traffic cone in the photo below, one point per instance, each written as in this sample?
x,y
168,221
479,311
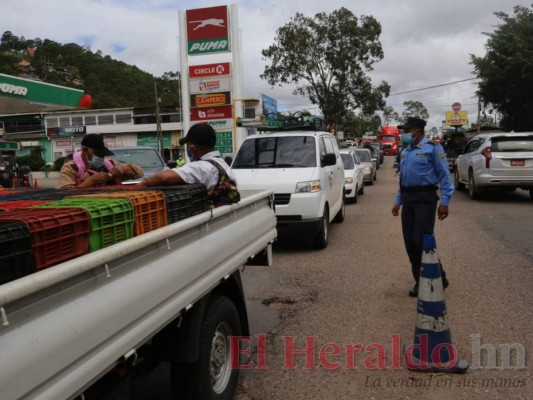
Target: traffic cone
x,y
433,350
35,183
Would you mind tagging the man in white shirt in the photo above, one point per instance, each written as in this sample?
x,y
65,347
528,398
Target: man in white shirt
x,y
200,140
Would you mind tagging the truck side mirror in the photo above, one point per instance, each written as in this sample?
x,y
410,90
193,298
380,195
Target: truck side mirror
x,y
329,159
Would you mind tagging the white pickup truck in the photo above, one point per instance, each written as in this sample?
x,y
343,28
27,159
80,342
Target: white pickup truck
x,y
81,329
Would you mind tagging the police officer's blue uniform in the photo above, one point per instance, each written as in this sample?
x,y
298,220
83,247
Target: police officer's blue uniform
x,y
423,168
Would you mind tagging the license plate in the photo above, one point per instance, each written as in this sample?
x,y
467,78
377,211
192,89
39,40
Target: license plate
x,y
518,163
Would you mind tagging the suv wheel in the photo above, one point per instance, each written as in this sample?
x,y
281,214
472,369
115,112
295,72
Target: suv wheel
x,y
531,193
457,183
320,241
354,200
473,192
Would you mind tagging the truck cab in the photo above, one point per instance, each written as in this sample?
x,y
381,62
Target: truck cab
x,y
390,140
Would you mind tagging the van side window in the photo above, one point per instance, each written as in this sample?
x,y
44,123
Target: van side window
x,y
322,147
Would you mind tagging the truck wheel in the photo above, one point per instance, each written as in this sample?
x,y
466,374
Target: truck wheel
x,y
457,183
320,241
211,376
342,212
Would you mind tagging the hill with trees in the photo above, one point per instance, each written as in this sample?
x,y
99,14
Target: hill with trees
x,y
111,83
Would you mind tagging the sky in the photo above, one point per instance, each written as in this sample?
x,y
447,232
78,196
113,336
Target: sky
x,y
425,42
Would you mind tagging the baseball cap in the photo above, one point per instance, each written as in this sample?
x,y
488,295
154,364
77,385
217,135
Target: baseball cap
x,y
96,142
413,122
201,135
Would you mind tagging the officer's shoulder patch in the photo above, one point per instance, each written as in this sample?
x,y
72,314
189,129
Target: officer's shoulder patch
x,y
442,156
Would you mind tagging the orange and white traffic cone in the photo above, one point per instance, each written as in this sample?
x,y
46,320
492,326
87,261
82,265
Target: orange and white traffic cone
x,y
432,350
35,183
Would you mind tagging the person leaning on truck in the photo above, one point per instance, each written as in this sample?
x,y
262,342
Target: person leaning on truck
x,y
423,166
206,167
89,166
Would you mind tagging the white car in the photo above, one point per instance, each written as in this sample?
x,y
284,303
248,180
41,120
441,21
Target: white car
x,y
354,174
306,173
369,163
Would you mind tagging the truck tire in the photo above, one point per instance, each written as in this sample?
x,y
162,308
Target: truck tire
x,y
459,186
342,212
320,241
211,376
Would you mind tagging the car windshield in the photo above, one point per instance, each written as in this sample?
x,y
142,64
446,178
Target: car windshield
x,y
363,155
388,137
277,152
508,144
347,160
144,158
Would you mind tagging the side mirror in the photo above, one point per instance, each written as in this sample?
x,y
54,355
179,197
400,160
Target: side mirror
x,y
329,159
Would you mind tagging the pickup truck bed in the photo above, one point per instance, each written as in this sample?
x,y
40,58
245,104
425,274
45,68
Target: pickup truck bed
x,y
64,327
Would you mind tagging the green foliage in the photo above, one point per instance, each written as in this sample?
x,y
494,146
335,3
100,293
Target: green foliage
x,y
390,115
359,124
415,109
506,70
34,160
328,57
110,83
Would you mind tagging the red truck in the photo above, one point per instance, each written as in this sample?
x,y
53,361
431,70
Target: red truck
x,y
390,139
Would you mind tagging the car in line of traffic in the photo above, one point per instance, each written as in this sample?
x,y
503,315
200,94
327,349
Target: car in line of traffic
x,y
495,161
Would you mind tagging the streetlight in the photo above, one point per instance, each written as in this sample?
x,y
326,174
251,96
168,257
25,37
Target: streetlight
x,y
158,122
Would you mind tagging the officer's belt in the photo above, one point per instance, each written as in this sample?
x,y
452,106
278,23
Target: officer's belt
x,y
414,189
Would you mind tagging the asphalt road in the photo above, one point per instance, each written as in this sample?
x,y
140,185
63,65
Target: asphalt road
x,y
355,292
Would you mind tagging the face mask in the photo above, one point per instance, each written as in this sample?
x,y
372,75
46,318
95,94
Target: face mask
x,y
190,154
97,162
407,139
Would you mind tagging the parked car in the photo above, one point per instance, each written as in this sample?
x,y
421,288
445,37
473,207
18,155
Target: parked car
x,y
145,157
306,173
353,175
365,156
496,161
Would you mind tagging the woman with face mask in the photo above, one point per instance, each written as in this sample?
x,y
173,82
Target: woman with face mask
x,y
89,166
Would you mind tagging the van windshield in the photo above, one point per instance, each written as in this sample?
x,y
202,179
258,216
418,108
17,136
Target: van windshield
x,y
277,152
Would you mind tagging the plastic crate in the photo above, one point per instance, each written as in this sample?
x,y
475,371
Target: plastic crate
x,y
57,234
111,219
184,201
13,205
16,257
149,208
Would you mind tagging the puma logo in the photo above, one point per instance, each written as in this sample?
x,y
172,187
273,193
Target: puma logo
x,y
211,21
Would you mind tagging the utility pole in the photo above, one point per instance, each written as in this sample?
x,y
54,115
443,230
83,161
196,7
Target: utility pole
x,y
158,123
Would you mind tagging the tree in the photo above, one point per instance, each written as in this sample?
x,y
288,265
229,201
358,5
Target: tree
x,y
328,57
359,124
506,70
390,115
415,109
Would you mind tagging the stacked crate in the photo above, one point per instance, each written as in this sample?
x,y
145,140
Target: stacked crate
x,y
56,235
111,220
16,257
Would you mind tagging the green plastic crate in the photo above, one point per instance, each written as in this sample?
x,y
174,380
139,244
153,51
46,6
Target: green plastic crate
x,y
111,219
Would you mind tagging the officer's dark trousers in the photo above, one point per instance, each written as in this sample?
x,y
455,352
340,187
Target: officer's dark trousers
x,y
418,218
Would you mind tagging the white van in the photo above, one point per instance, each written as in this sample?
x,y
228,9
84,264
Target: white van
x,y
305,170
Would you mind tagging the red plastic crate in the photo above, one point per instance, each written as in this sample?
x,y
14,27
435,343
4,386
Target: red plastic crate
x,y
149,208
13,205
57,234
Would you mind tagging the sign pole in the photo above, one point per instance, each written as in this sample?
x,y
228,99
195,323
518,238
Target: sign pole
x,y
184,77
238,135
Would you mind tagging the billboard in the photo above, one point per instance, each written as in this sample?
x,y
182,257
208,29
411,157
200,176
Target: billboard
x,y
209,85
456,118
207,30
209,70
207,113
210,99
270,106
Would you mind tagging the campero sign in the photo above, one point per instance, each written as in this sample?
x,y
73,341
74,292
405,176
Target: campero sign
x,y
207,30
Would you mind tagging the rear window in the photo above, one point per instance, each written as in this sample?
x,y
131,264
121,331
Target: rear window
x,y
347,160
277,152
364,156
509,144
144,158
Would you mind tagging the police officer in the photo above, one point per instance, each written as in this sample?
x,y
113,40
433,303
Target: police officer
x,y
423,168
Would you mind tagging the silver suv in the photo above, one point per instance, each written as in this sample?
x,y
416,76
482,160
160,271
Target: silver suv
x,y
496,161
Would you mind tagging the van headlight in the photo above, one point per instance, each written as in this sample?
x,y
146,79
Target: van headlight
x,y
308,187
348,180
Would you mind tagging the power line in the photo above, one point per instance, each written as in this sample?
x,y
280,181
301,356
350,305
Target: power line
x,y
432,87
